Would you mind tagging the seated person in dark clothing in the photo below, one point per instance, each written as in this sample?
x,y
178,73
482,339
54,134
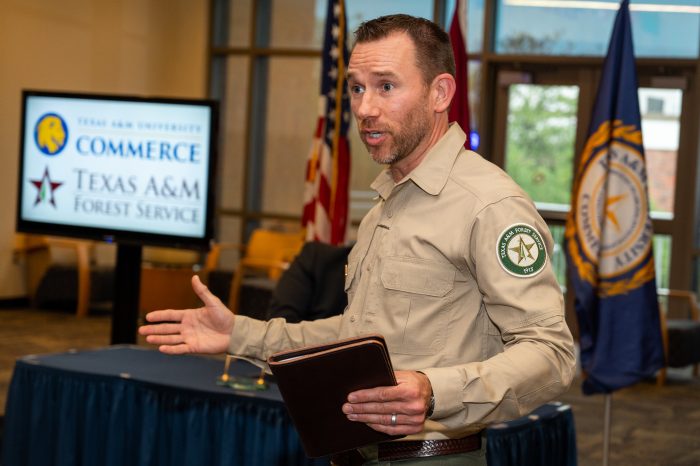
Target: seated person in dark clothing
x,y
313,285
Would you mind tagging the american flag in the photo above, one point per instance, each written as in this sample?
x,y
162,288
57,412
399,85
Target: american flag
x,y
328,166
459,110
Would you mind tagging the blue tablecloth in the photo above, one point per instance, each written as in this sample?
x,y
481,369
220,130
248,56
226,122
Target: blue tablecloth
x,y
546,437
127,405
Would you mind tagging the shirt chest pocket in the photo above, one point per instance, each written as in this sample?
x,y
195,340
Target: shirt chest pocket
x,y
414,309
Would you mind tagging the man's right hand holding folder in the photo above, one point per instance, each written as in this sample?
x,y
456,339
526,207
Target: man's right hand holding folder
x,y
394,410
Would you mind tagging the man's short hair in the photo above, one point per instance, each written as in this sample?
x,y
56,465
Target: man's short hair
x,y
433,50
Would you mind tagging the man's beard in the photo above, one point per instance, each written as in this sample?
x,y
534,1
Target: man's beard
x,y
405,140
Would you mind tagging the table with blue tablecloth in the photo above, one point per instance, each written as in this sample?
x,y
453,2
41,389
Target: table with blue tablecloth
x,y
545,437
126,405
129,405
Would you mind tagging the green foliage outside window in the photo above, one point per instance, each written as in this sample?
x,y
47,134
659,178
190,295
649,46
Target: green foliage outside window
x,y
540,140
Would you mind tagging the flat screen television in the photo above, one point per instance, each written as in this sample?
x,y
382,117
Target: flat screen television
x,y
120,169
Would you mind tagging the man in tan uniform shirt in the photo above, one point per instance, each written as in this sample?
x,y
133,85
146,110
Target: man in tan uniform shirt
x,y
451,266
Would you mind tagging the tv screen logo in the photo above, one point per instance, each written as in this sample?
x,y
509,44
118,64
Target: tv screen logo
x,y
51,134
45,188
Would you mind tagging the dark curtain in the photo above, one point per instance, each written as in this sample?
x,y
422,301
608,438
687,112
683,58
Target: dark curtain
x,y
71,419
547,437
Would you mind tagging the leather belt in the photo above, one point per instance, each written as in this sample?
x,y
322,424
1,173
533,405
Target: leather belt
x,y
401,450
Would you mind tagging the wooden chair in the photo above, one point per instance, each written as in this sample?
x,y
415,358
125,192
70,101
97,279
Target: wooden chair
x,y
166,275
680,329
37,252
266,255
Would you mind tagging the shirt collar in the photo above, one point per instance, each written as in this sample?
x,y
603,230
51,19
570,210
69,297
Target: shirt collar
x,y
432,173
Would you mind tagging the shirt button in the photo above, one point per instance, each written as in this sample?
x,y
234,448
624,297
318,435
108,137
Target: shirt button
x,y
352,318
389,213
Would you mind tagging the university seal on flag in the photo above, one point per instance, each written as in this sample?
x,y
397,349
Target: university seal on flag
x,y
520,250
613,226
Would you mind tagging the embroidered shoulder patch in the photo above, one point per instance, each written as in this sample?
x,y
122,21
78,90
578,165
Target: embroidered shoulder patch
x,y
520,250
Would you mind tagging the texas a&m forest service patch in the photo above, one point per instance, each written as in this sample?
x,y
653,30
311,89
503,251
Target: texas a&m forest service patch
x,y
521,251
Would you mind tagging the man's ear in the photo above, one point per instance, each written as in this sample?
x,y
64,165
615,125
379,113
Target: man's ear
x,y
444,88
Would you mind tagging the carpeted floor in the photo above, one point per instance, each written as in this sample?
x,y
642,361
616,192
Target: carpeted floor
x,y
651,426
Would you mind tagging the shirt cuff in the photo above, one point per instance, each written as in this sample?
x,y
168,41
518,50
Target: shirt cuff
x,y
448,388
243,342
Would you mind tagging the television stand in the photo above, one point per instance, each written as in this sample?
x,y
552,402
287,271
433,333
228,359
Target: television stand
x,y
127,284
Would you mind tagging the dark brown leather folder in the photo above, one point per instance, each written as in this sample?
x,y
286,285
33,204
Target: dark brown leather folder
x,y
315,382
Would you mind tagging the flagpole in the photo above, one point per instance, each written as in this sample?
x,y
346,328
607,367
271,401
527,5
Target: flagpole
x,y
606,428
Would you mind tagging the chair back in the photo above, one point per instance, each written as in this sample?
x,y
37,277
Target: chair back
x,y
272,250
682,304
680,330
268,253
42,252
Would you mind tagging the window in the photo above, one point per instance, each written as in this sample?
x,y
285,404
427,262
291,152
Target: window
x,y
540,141
362,10
561,27
661,111
655,106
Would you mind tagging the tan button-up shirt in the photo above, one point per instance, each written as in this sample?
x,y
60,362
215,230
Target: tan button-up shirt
x,y
427,273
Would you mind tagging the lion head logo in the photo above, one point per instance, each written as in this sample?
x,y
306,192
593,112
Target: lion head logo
x,y
51,134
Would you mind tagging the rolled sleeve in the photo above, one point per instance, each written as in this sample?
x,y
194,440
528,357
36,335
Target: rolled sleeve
x,y
256,340
448,386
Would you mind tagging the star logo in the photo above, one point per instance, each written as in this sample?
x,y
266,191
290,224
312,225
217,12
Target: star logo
x,y
609,213
521,251
45,188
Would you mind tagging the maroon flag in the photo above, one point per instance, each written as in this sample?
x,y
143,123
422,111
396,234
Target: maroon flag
x,y
459,110
326,191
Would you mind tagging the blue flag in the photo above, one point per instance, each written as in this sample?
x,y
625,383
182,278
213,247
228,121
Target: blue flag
x,y
609,233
